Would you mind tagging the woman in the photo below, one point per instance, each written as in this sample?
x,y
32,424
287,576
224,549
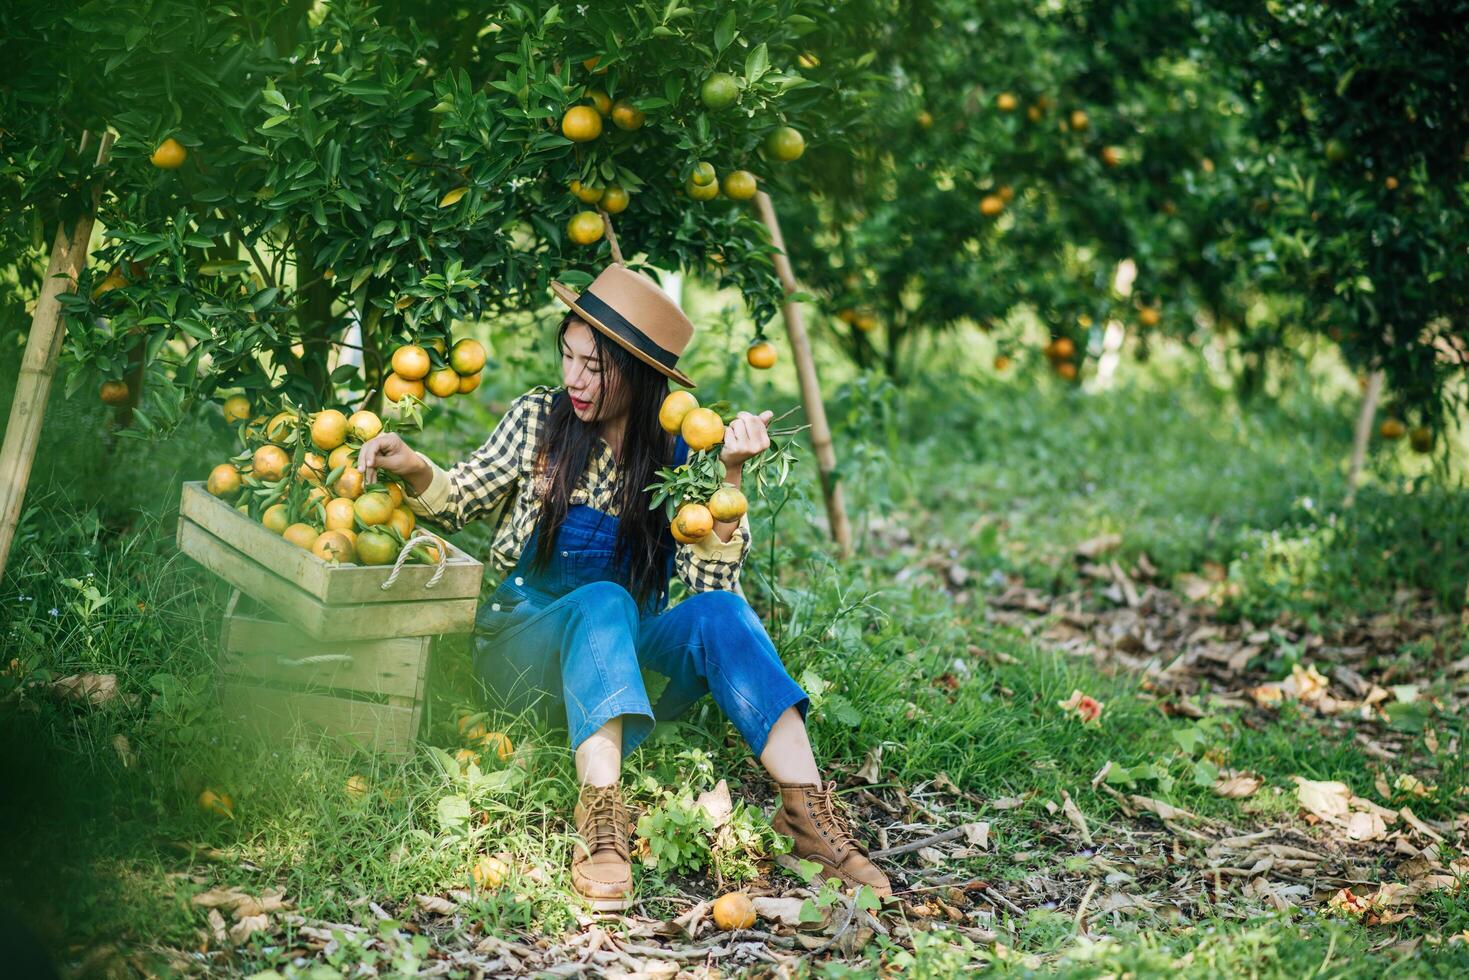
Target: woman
x,y
583,608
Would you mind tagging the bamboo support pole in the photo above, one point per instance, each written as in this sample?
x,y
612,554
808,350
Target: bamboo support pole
x,y
1363,434
38,365
841,530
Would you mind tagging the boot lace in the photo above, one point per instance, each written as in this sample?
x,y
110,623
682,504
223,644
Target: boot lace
x,y
607,820
831,817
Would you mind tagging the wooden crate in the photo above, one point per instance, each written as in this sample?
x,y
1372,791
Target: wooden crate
x,y
366,693
340,602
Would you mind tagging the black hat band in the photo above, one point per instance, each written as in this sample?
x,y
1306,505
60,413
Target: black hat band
x,y
620,325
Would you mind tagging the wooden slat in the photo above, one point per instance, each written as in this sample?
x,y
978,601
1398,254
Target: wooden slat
x,y
361,621
332,584
273,651
384,728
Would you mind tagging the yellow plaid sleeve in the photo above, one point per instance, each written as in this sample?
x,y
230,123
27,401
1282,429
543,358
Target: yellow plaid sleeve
x,y
710,565
474,487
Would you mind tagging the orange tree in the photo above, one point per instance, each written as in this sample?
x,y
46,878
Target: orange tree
x,y
1358,213
1012,158
283,170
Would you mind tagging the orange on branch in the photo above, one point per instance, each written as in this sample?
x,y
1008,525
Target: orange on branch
x,y
991,205
224,480
363,425
313,468
761,355
397,386
170,155
601,101
676,404
468,383
1006,102
581,124
719,91
373,508
274,519
785,144
586,193
585,227
626,116
376,548
728,504
402,519
614,199
301,535
740,185
443,382
340,513
702,428
332,546
411,362
270,462
692,523
467,356
329,429
350,483
343,456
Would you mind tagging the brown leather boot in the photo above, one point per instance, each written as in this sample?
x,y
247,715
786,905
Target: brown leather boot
x,y
809,816
601,869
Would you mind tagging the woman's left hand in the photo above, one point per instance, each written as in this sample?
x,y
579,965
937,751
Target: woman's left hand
x,y
745,437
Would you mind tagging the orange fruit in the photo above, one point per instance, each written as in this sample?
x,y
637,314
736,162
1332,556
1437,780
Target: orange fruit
x,y
676,404
601,101
349,484
443,382
318,494
170,155
740,185
313,468
1006,192
329,429
586,193
865,322
614,199
351,537
236,409
585,227
719,91
1392,429
1066,370
302,536
363,425
808,60
402,519
411,363
626,116
107,285
224,480
270,462
734,910
590,64
728,505
761,354
113,392
356,786
701,428
1079,121
1034,113
343,456
219,804
924,118
1060,349
395,493
468,382
373,508
274,519
332,546
693,521
280,426
467,356
703,173
1149,316
1001,362
581,124
466,756
991,205
1420,437
847,315
1006,102
1391,183
339,514
396,387
376,548
785,144
701,192
1111,156
498,741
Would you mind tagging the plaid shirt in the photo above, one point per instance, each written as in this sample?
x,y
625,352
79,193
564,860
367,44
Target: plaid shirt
x,y
505,465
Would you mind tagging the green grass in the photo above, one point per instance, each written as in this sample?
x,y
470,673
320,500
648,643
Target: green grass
x,y
1006,479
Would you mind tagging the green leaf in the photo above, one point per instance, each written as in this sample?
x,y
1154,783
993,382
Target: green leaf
x,y
757,63
453,812
725,32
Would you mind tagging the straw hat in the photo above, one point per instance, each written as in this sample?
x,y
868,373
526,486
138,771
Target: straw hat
x,y
636,313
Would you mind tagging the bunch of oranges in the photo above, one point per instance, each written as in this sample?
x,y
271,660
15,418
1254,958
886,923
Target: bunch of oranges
x,y
1060,352
298,473
438,369
701,428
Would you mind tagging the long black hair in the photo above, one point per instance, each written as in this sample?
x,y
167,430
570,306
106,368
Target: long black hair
x,y
643,541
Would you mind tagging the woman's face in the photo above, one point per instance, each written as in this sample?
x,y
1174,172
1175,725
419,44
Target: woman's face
x,y
583,374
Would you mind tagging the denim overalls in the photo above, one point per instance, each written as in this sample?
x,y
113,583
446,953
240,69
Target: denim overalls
x,y
571,643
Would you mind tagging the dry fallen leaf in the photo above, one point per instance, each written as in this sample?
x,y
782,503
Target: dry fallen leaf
x,y
250,924
436,905
1073,813
1237,786
94,688
1327,799
977,834
871,765
124,750
716,803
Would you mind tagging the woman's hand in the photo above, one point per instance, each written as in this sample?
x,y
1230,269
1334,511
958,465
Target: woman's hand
x,y
745,437
389,452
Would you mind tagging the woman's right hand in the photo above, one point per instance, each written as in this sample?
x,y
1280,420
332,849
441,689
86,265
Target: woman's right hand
x,y
389,452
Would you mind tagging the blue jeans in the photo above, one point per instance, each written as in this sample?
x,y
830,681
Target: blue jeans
x,y
571,644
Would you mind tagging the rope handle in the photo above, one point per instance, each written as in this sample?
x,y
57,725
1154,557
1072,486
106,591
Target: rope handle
x,y
413,539
320,658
